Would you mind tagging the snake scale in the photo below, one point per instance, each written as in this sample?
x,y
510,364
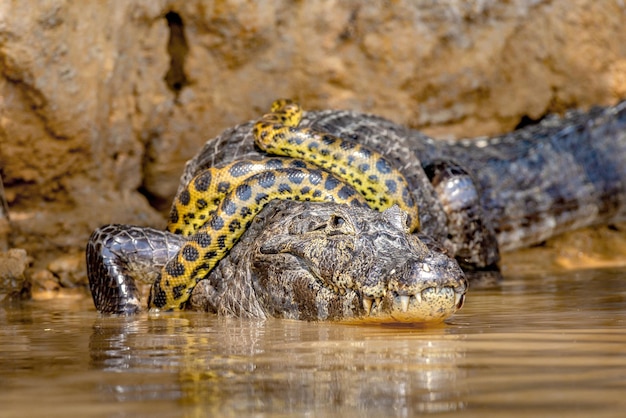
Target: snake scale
x,y
218,204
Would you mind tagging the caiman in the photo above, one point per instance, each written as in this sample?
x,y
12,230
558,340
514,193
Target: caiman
x,y
382,224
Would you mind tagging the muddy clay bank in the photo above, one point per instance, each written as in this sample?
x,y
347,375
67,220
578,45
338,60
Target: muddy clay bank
x,y
100,106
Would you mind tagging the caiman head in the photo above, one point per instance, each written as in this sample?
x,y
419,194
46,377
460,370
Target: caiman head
x,y
327,261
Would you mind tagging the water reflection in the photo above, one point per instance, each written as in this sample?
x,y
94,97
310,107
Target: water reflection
x,y
539,345
228,364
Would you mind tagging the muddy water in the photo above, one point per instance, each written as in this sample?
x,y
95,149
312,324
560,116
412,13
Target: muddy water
x,y
549,345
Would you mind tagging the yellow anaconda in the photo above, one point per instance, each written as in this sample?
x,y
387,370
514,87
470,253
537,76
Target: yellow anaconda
x,y
210,242
364,168
194,206
218,204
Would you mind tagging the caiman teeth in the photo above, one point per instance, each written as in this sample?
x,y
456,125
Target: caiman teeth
x,y
459,298
404,302
367,304
418,298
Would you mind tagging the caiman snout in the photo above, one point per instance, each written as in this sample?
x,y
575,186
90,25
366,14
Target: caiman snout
x,y
428,286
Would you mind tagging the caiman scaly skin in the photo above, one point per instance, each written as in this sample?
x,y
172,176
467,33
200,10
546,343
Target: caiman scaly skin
x,y
475,197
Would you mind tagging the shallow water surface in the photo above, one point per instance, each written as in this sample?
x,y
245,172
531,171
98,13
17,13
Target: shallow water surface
x,y
553,345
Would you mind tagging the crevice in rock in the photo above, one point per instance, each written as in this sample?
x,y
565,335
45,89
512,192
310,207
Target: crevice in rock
x,y
177,48
159,203
528,121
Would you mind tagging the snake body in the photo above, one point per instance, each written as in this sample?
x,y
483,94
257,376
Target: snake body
x,y
365,169
200,199
218,204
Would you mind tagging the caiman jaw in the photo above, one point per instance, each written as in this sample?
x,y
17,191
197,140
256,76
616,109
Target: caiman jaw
x,y
427,291
405,301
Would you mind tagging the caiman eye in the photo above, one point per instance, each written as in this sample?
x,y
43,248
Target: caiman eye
x,y
337,221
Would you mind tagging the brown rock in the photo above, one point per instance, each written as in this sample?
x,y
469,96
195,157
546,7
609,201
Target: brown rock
x,y
70,270
13,264
100,106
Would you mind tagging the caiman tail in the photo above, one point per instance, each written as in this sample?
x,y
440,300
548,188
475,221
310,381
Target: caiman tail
x,y
559,175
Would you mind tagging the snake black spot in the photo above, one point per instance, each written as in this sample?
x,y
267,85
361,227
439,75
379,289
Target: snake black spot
x,y
221,242
407,197
184,198
178,231
244,192
240,168
331,183
383,166
261,197
245,212
313,146
190,253
178,291
305,190
274,163
325,152
174,217
202,182
383,201
267,179
328,139
217,223
203,239
209,255
174,268
298,137
364,167
347,145
279,136
317,194
284,188
159,298
365,153
223,187
297,164
228,206
392,187
295,176
201,204
373,178
345,192
315,177
234,225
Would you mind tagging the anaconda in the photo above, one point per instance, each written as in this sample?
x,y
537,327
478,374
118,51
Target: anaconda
x,y
474,198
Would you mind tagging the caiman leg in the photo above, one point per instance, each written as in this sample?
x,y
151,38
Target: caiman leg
x,y
120,255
